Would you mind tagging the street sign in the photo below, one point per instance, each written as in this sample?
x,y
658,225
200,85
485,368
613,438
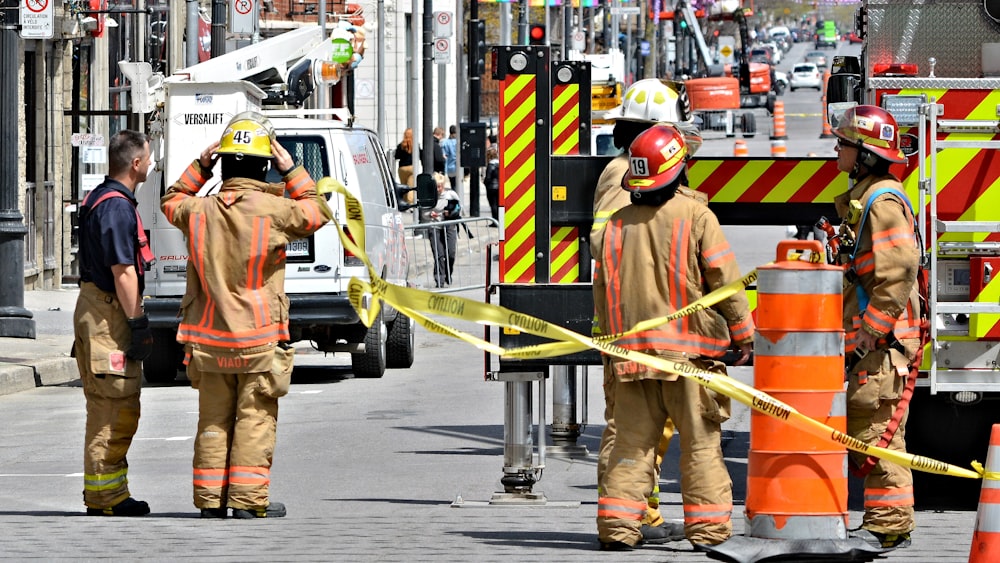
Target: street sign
x,y
442,51
644,48
442,24
579,41
727,49
625,10
37,19
243,15
86,140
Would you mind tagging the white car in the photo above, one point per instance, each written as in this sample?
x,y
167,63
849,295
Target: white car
x,y
806,75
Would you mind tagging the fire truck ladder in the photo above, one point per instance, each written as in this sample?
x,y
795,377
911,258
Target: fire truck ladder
x,y
970,364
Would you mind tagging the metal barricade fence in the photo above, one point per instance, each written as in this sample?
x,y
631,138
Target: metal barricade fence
x,y
429,245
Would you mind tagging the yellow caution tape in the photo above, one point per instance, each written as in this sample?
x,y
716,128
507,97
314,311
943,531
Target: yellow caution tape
x,y
414,303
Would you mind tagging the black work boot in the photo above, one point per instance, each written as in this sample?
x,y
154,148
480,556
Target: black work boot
x,y
273,510
127,507
666,532
219,512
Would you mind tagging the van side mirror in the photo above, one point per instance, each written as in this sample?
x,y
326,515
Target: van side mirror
x,y
426,191
401,191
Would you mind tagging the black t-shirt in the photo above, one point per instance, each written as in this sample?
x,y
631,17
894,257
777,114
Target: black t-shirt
x,y
404,156
108,236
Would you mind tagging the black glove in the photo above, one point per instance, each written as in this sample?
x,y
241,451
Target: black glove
x,y
142,339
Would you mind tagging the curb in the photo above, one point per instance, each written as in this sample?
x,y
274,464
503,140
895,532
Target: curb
x,y
15,378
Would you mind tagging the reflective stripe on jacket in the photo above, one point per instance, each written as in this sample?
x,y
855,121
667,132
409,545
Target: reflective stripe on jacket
x,y
671,256
886,264
236,265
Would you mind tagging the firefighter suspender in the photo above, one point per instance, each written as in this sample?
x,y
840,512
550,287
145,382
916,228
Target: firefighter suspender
x,y
144,256
911,378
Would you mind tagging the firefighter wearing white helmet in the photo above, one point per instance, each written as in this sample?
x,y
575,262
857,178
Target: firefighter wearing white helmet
x,y
234,323
646,103
659,255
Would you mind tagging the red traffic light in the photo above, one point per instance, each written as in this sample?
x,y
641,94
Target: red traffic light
x,y
536,34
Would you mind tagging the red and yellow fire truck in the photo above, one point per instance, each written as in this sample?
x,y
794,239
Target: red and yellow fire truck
x,y
944,91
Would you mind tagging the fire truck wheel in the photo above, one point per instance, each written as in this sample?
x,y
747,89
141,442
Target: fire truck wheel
x,y
371,362
941,429
166,358
399,346
748,124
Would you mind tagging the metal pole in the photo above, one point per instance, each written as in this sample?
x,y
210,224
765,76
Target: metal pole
x,y
517,441
322,91
413,109
475,92
567,10
427,158
381,126
15,320
522,22
565,426
218,28
461,72
505,21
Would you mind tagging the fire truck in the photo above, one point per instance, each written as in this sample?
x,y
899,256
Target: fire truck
x,y
943,89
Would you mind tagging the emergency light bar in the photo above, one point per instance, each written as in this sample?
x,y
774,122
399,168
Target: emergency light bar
x,y
894,69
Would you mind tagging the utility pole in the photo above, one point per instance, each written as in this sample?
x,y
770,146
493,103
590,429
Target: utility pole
x,y
427,156
218,28
477,50
15,320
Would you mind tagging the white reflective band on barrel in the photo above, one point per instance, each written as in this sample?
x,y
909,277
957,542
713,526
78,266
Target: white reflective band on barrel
x,y
800,282
793,344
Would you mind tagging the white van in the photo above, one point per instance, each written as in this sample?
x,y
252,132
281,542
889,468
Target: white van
x,y
318,268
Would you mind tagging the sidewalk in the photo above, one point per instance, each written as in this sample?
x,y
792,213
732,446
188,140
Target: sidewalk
x,y
27,363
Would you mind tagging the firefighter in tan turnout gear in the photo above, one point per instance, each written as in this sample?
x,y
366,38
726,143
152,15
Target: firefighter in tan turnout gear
x,y
881,312
660,254
111,332
234,313
645,103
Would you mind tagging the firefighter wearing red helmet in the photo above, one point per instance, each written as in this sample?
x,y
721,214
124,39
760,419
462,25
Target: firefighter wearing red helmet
x,y
881,313
646,103
659,255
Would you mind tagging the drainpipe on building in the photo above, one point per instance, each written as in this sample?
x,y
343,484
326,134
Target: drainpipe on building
x,y
15,320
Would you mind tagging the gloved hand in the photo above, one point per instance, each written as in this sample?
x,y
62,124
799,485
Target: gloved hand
x,y
142,339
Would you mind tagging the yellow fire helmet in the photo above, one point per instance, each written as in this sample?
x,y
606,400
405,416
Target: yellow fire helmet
x,y
248,134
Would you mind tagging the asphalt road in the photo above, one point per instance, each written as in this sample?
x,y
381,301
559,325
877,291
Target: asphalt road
x,y
371,470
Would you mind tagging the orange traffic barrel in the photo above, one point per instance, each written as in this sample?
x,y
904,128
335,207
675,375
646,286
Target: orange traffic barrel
x,y
827,131
796,482
986,537
778,149
779,129
740,148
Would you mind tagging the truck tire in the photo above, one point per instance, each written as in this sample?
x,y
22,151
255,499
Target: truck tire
x,y
163,363
370,364
748,124
399,344
940,429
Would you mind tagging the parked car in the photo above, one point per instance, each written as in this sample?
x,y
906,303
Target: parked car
x,y
817,58
806,75
853,37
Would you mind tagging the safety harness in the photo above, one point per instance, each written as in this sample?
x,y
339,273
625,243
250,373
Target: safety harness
x,y
144,256
922,291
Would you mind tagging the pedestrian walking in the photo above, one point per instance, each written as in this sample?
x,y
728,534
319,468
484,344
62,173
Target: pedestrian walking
x,y
444,238
404,156
111,331
646,103
881,313
234,319
660,254
491,181
438,152
450,148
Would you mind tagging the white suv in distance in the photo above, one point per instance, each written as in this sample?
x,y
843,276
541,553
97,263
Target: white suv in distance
x,y
805,75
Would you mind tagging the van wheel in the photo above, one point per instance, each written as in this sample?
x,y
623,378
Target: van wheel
x,y
166,358
399,346
371,362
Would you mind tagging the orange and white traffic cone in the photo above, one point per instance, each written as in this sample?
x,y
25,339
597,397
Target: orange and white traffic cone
x,y
778,149
778,131
986,537
740,148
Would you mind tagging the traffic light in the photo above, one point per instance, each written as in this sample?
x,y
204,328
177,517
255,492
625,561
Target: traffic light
x,y
536,34
477,48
